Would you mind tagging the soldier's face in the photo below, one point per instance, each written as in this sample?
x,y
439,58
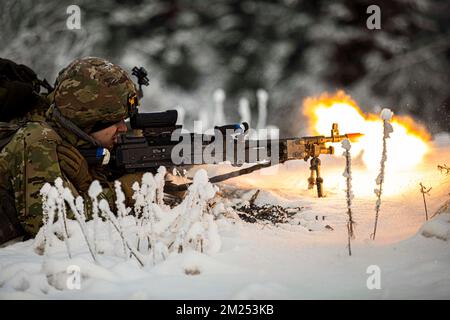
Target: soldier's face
x,y
108,136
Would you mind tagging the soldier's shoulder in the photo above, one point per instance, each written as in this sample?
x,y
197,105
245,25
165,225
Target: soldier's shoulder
x,y
36,131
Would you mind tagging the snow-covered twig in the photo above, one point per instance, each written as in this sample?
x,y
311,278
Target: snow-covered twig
x,y
94,190
160,181
122,211
139,201
386,116
145,197
62,214
349,193
48,194
149,211
106,212
78,210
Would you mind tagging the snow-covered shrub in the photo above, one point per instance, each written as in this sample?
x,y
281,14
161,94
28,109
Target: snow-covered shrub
x,y
348,191
149,235
386,116
194,226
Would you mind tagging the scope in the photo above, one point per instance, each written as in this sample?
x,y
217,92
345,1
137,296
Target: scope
x,y
154,119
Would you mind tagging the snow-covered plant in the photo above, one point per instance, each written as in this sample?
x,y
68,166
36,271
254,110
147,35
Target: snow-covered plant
x,y
348,191
190,224
159,184
214,241
77,207
62,213
122,211
147,208
94,190
148,196
107,213
386,116
48,194
150,234
192,227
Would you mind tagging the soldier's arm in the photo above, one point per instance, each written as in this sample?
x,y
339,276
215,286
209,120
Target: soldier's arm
x,y
41,165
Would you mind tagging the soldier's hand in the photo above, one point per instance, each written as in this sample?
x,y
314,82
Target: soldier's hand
x,y
74,166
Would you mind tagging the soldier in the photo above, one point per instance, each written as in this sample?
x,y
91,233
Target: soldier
x,y
91,100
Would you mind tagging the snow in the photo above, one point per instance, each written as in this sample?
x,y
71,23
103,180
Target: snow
x,y
254,261
438,227
255,264
386,114
120,200
95,189
346,144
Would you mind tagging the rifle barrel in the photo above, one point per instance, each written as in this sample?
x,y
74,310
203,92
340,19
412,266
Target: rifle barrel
x,y
354,136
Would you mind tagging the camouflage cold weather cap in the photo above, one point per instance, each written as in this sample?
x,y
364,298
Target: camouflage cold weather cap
x,y
94,93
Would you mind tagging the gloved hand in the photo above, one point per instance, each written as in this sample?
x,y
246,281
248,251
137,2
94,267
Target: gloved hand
x,y
127,182
74,166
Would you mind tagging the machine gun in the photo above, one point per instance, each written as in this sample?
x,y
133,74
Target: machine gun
x,y
155,139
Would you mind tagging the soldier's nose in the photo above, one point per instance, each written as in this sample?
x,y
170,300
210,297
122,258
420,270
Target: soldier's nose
x,y
122,126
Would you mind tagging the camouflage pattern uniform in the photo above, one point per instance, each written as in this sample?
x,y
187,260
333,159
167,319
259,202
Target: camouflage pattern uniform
x,y
93,94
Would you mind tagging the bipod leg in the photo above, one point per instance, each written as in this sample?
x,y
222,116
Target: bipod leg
x,y
312,177
315,172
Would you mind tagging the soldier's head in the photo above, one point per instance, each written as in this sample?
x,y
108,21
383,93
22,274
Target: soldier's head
x,y
97,96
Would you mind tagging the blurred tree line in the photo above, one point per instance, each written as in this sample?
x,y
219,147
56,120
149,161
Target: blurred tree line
x,y
291,48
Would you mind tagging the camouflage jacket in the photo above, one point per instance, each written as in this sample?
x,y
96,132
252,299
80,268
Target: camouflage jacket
x,y
30,160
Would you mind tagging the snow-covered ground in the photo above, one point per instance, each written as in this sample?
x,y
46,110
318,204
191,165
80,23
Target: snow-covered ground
x,y
289,261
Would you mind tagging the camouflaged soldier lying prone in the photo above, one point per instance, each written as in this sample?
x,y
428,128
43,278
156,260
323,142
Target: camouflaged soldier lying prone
x,y
91,100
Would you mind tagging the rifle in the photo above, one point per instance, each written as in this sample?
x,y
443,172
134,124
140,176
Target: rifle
x,y
155,138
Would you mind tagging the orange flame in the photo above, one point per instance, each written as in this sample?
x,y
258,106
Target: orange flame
x,y
407,145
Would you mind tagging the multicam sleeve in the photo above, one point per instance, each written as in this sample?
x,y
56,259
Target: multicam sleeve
x,y
42,166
